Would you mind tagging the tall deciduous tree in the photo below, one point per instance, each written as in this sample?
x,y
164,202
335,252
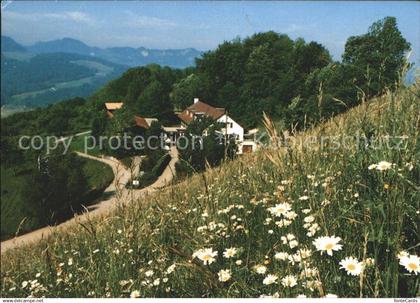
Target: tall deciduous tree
x,y
378,56
186,90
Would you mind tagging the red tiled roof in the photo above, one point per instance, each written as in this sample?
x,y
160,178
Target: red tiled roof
x,y
144,122
201,107
141,122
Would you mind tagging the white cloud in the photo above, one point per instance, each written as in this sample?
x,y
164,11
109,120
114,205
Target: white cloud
x,y
28,28
72,16
80,17
140,21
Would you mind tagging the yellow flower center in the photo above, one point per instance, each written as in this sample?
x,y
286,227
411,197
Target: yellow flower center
x,y
206,257
329,246
351,267
412,266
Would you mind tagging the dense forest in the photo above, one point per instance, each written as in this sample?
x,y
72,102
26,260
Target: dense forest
x,y
293,81
270,72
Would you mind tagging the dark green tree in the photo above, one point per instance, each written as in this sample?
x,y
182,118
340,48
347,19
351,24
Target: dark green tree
x,y
58,186
153,101
99,124
184,92
206,144
379,56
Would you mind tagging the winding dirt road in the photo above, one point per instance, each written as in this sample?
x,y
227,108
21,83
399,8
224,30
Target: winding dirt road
x,y
114,193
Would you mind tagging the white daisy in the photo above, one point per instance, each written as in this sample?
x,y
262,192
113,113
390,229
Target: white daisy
x,y
135,294
289,281
280,209
260,269
283,222
224,275
383,165
402,254
290,236
305,253
293,243
206,255
281,256
327,244
171,269
352,266
309,219
291,215
294,258
149,273
230,252
270,279
411,263
372,166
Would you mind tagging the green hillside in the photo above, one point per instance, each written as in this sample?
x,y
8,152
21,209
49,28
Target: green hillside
x,y
248,227
30,80
20,214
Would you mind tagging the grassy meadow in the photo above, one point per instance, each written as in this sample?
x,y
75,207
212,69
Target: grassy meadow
x,y
302,221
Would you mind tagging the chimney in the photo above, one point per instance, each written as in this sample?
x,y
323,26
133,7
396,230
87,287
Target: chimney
x,y
196,100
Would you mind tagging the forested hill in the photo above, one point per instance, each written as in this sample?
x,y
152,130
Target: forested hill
x,y
29,80
294,81
283,77
47,72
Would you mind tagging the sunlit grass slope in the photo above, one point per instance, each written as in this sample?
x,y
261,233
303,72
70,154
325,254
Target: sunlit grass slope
x,y
307,220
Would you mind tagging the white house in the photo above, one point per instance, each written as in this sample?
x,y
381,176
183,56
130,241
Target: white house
x,y
231,127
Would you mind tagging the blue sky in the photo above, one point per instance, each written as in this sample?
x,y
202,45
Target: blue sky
x,y
202,25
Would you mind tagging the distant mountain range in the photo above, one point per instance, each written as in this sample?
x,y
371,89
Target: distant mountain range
x,y
48,72
10,45
30,80
178,58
